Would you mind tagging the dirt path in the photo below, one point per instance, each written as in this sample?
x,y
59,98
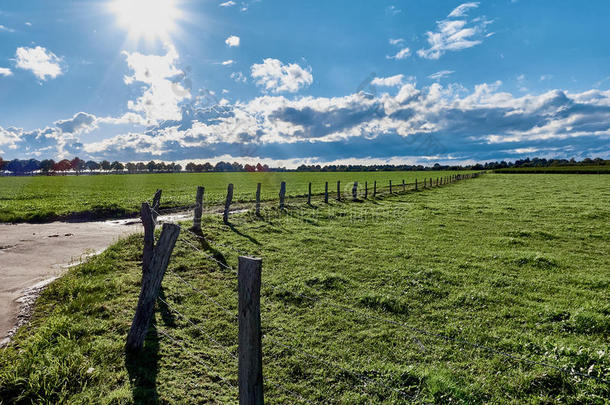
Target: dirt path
x,y
31,255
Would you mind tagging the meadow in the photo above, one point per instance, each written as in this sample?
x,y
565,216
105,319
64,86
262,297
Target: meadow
x,y
518,264
593,169
44,198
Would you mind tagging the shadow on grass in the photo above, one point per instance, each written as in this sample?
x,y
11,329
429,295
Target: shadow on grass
x,y
143,366
243,235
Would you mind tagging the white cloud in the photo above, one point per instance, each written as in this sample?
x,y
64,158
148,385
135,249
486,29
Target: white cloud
x,y
393,10
80,122
276,77
440,75
460,11
5,72
233,41
164,93
6,29
455,33
239,77
545,77
229,3
40,61
396,41
29,24
388,81
402,54
228,62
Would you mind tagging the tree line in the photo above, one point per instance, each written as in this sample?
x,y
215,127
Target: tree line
x,y
79,166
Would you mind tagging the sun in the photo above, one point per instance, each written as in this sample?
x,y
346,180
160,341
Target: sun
x,y
147,19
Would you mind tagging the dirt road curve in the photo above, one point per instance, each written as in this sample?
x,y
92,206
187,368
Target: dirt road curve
x,y
34,253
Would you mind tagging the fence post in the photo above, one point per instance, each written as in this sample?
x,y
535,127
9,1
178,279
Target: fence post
x,y
404,186
415,184
149,235
425,182
338,190
309,195
282,194
355,191
151,285
375,189
250,347
326,192
390,186
156,204
366,190
198,209
228,201
258,199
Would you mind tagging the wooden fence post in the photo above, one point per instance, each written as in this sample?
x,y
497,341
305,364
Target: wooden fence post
x,y
282,194
156,204
415,184
151,285
149,235
309,195
338,190
250,368
425,182
355,191
198,209
258,199
228,201
366,190
404,186
326,193
390,186
375,189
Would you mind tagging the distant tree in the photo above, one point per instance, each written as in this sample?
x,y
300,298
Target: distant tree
x,y
177,168
259,167
91,166
207,167
62,166
46,166
31,165
2,163
161,167
249,168
117,166
106,166
191,167
15,166
237,167
131,167
223,167
78,165
151,166
140,167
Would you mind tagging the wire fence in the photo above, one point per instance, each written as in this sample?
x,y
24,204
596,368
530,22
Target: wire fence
x,y
269,341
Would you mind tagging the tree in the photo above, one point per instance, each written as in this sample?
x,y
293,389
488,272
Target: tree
x,y
91,165
207,167
131,167
78,165
249,168
62,166
2,163
117,166
140,167
151,166
30,166
190,167
106,166
177,168
46,166
15,166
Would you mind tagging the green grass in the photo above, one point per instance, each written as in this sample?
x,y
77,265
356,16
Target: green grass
x,y
516,263
596,169
33,199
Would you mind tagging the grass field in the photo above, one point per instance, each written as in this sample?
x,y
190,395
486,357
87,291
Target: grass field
x,y
516,263
24,199
599,169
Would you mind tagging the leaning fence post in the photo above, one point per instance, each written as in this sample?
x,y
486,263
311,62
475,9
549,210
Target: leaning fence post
x,y
355,191
258,199
309,195
151,285
228,201
326,193
338,190
366,190
282,194
198,209
149,235
156,204
250,368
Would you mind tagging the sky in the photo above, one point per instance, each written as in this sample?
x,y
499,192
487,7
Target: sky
x,y
304,82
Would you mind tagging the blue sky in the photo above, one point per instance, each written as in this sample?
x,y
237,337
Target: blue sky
x,y
288,82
